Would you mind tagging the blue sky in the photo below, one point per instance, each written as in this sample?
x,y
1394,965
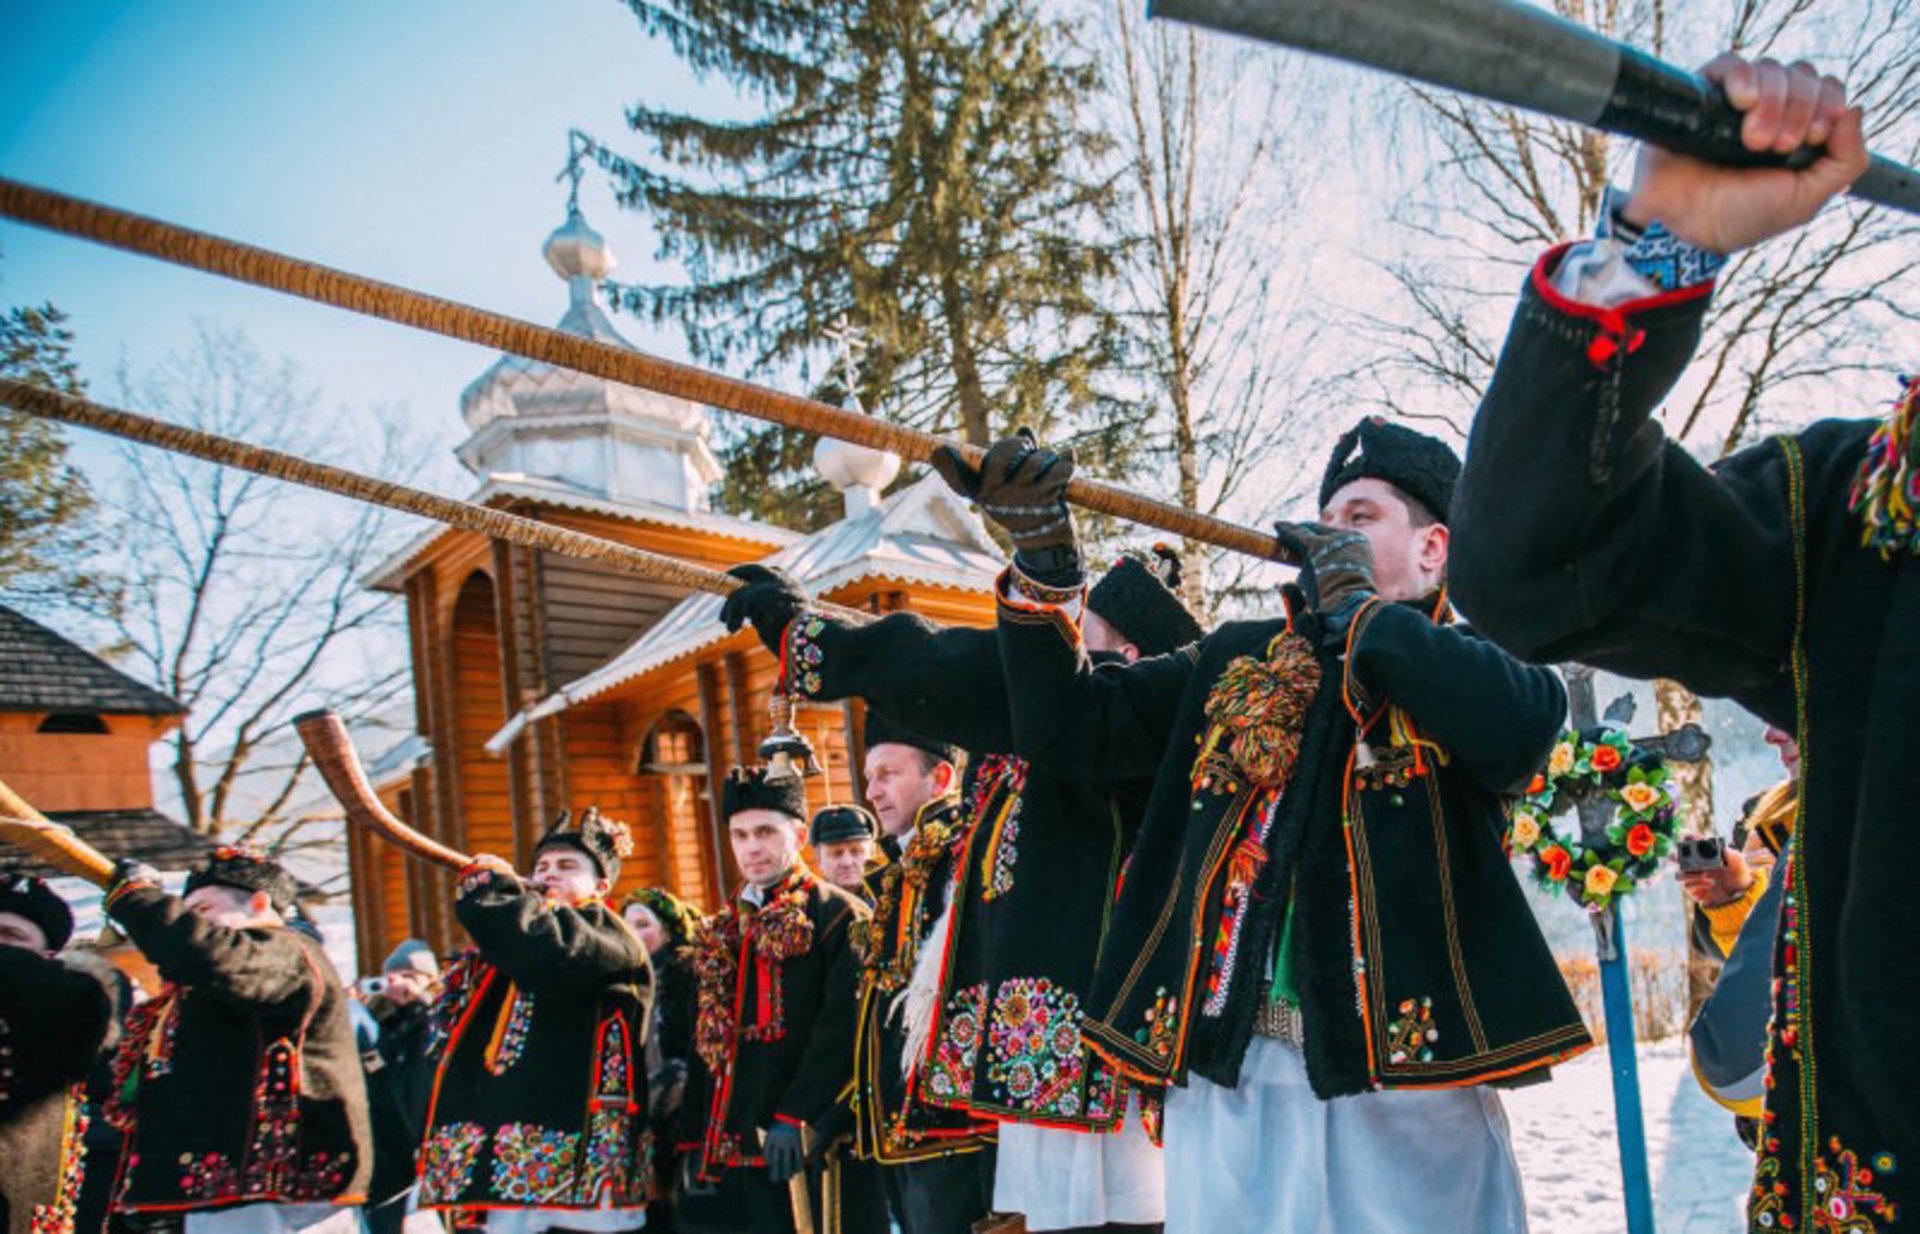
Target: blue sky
x,y
416,142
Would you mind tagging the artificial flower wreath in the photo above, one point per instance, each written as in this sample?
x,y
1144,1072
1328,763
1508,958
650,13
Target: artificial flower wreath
x,y
1598,761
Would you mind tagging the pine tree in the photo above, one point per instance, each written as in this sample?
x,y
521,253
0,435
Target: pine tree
x,y
921,168
43,500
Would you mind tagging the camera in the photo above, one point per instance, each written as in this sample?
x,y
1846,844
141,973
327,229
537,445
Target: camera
x,y
373,987
1698,853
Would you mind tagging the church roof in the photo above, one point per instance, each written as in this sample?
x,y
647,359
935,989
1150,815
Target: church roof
x,y
43,671
922,535
508,490
143,835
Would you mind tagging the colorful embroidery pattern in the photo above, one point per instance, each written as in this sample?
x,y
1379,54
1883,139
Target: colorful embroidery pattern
x,y
804,655
209,1176
777,932
510,1033
1105,1096
1844,1202
447,1160
1243,868
532,1164
57,1217
1004,776
1033,1047
898,924
1161,1024
605,1167
1411,1034
275,1140
950,1070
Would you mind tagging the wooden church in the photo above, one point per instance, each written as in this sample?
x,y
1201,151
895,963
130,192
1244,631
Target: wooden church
x,y
544,683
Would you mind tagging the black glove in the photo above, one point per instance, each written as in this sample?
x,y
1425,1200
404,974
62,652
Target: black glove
x,y
769,600
783,1153
128,870
1336,571
1022,486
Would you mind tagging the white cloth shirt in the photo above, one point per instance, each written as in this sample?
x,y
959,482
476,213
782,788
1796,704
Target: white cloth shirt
x,y
1270,1156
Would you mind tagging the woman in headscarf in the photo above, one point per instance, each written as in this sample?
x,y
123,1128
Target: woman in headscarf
x,y
667,925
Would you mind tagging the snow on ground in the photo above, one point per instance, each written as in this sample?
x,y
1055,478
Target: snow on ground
x,y
1563,1135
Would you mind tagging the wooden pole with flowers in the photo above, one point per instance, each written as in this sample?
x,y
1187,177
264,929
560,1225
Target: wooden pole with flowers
x,y
1620,792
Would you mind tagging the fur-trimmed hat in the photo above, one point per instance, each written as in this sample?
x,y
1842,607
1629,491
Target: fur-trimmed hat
x,y
30,897
838,824
751,788
245,869
1424,468
604,840
881,731
1139,596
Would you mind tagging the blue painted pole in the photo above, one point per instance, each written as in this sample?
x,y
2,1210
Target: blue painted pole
x,y
1616,995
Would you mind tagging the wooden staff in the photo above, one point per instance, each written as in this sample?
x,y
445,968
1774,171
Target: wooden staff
x,y
514,528
327,742
31,831
246,263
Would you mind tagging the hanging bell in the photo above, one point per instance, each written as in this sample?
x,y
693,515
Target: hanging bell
x,y
785,752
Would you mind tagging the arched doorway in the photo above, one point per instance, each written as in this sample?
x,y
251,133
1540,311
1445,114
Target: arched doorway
x,y
673,763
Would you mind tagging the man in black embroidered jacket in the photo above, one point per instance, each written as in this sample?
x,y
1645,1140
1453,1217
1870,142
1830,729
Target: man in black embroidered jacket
x,y
1318,904
539,1114
1784,577
937,1164
55,1016
774,1030
1029,921
240,1085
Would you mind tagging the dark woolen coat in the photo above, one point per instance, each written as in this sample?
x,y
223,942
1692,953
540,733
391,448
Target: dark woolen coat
x,y
788,1055
1443,978
541,1097
1036,883
1582,532
242,1081
55,1018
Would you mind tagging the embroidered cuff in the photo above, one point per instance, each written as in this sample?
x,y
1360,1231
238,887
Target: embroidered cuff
x,y
1662,259
801,654
1021,592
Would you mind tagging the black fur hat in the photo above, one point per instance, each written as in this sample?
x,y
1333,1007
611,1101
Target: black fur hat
x,y
33,899
836,824
247,869
1424,468
1139,596
605,840
881,731
751,788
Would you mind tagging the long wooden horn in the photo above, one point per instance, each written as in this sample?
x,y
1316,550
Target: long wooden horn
x,y
31,831
182,246
514,528
325,736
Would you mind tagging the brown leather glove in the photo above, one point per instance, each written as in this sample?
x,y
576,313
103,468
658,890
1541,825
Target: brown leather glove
x,y
1336,570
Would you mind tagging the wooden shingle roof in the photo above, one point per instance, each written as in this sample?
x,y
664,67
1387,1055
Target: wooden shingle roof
x,y
41,671
144,835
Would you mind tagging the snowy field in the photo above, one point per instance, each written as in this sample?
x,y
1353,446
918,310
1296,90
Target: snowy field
x,y
1563,1136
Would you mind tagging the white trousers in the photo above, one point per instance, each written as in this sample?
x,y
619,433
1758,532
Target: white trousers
x,y
276,1219
1061,1180
1270,1156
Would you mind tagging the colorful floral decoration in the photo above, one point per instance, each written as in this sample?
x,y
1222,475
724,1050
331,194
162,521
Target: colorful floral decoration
x,y
1411,1034
950,1070
1005,775
1161,1024
510,1032
1033,1047
1886,490
57,1217
1601,761
532,1164
447,1160
804,656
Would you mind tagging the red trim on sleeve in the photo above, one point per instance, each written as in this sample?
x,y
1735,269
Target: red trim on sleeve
x,y
1615,328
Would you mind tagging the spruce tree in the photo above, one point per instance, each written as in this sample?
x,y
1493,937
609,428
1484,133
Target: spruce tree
x,y
43,499
922,168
